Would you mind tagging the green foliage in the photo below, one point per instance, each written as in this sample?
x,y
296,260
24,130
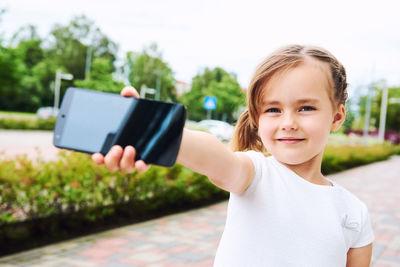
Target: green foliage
x,y
37,75
101,77
148,68
27,123
26,73
214,82
72,183
11,72
393,109
340,158
350,116
71,43
31,52
27,69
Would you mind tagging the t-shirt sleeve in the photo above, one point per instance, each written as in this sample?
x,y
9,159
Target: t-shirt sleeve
x,y
366,235
257,158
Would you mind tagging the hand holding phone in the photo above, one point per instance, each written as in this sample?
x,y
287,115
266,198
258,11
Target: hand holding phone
x,y
92,121
119,158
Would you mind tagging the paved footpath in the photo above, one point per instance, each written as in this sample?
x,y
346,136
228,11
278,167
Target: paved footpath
x,y
191,238
30,143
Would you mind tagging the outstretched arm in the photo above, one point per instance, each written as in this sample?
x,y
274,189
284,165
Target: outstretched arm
x,y
204,153
359,257
199,151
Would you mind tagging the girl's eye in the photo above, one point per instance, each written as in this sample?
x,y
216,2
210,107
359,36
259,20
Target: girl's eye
x,y
307,108
272,110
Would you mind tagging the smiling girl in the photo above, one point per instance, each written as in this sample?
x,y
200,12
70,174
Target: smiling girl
x,y
282,211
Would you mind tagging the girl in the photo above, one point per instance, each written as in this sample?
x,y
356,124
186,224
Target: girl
x,y
282,211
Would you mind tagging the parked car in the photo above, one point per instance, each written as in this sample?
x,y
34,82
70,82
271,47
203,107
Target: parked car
x,y
47,112
222,130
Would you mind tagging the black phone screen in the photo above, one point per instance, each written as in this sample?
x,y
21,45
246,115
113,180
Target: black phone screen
x,y
87,117
91,121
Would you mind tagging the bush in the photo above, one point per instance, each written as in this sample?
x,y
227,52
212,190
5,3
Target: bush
x,y
31,189
43,202
72,183
27,124
340,158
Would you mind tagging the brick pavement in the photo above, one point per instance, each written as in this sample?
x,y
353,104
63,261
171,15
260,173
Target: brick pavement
x,y
378,185
191,238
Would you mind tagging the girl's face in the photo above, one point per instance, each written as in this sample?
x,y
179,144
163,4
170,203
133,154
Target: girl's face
x,y
297,114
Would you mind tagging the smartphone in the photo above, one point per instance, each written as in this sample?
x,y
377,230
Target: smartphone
x,y
91,121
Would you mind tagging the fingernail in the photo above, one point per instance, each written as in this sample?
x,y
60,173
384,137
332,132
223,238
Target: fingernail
x,y
114,150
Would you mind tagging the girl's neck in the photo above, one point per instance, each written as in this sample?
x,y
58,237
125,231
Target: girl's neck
x,y
310,170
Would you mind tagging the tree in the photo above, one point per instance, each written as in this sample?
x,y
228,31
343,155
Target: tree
x,y
148,68
28,69
100,77
214,82
31,54
393,110
350,116
11,73
37,71
71,44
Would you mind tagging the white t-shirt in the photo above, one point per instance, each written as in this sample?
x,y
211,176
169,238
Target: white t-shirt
x,y
284,220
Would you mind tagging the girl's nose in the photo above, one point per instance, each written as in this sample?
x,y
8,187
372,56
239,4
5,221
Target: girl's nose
x,y
288,122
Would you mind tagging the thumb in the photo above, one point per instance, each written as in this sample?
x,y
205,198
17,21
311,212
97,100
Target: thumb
x,y
129,91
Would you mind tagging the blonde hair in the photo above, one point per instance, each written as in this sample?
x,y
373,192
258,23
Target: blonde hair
x,y
246,136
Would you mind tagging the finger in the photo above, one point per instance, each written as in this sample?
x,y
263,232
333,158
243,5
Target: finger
x,y
127,163
98,158
129,91
113,157
141,166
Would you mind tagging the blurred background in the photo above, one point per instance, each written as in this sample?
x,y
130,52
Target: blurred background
x,y
199,53
186,50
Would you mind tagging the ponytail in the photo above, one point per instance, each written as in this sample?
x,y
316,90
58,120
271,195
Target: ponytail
x,y
245,136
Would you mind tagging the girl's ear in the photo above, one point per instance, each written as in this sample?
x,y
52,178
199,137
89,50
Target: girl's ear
x,y
339,117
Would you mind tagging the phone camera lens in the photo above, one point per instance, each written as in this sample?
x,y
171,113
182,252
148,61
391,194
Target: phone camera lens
x,y
63,115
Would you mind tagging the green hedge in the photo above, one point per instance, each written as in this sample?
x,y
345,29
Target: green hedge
x,y
27,124
46,201
31,189
340,158
72,183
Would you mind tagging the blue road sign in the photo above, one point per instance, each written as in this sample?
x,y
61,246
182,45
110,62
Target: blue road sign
x,y
210,103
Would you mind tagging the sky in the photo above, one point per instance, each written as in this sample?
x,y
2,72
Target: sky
x,y
235,35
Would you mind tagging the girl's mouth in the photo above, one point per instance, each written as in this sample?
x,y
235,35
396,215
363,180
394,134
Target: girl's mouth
x,y
290,141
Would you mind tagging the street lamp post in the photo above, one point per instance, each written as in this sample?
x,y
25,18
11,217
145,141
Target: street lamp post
x,y
59,76
384,104
382,121
158,86
367,114
88,62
